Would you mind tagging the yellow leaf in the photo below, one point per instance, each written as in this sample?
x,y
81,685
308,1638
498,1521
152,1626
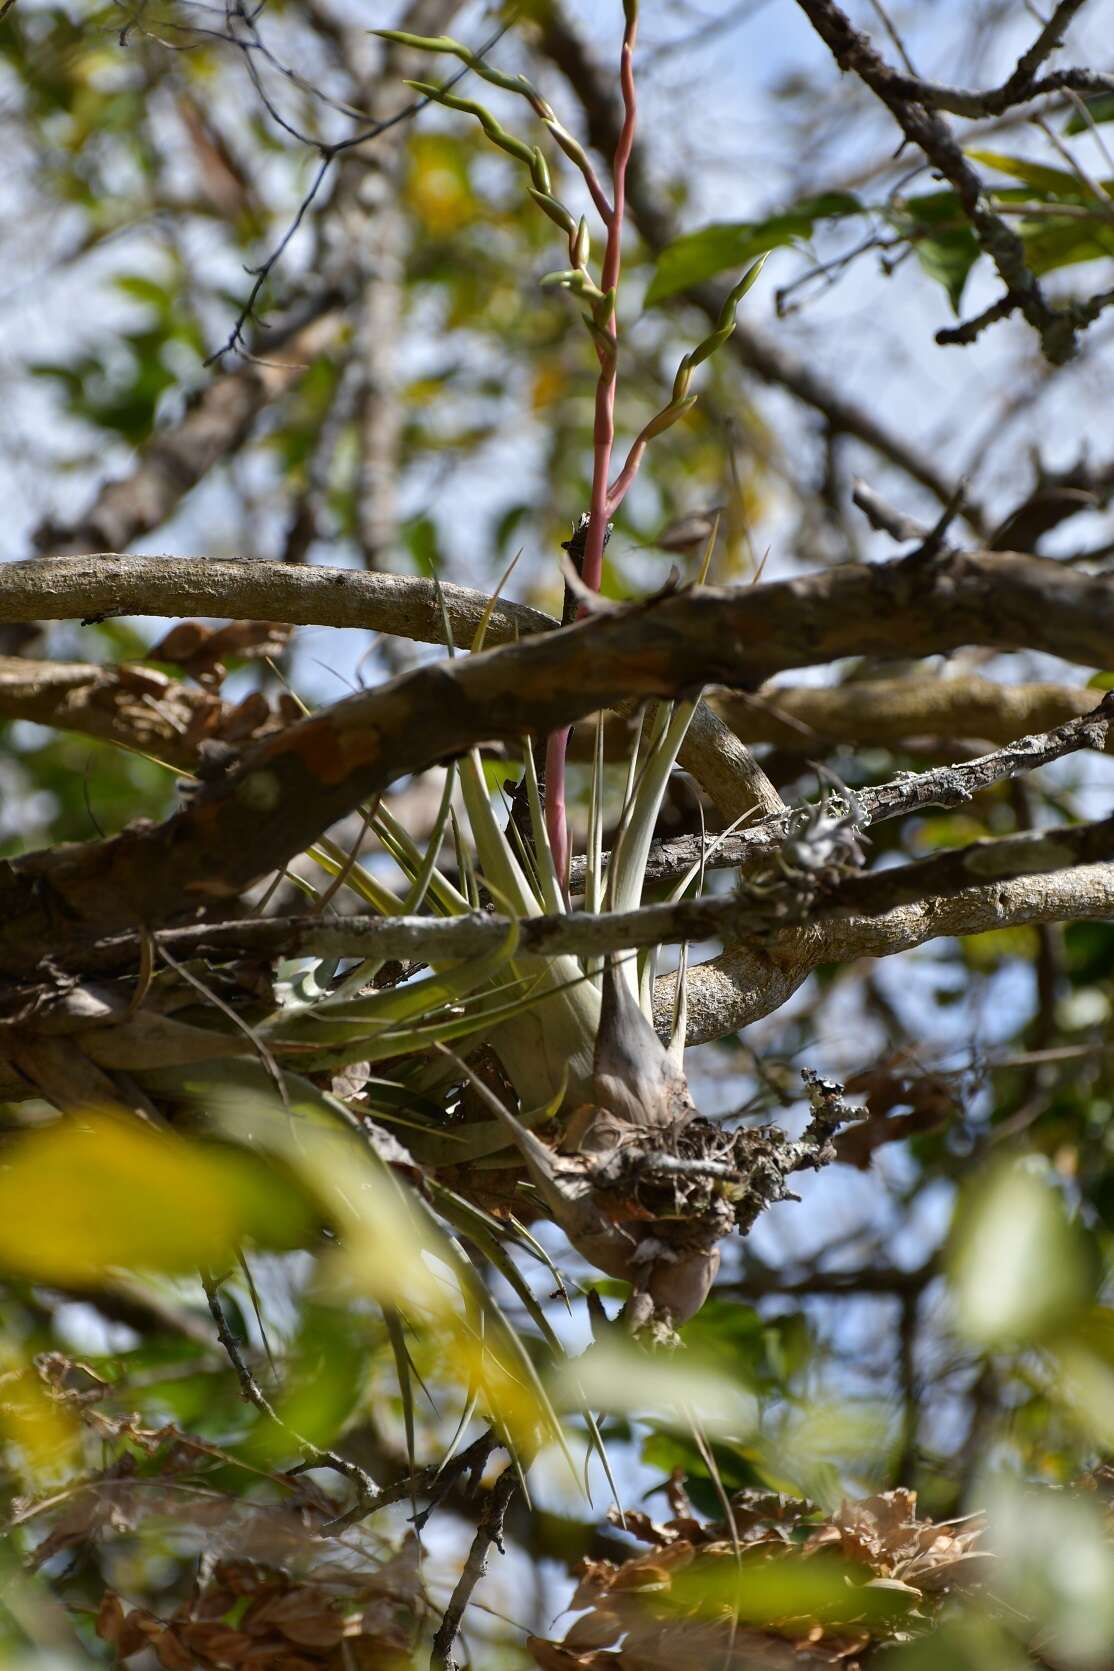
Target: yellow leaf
x,y
78,1199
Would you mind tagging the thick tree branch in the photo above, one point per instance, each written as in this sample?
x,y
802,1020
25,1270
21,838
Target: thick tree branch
x,y
142,709
805,717
748,982
725,768
942,786
276,799
746,917
734,920
903,608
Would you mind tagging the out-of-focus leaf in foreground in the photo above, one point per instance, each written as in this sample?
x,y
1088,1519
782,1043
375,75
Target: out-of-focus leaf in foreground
x,y
76,1200
1056,1567
1021,1269
625,1381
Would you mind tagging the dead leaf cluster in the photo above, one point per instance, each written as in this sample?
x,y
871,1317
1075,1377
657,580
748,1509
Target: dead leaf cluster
x,y
249,1617
928,1100
784,1587
203,652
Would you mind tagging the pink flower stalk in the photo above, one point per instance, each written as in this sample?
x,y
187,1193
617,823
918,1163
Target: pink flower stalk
x,y
603,440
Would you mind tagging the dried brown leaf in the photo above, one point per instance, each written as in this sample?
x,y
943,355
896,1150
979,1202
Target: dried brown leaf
x,y
110,1618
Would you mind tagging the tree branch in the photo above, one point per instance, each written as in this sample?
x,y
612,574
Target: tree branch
x,y
942,786
1022,86
285,789
746,983
746,917
142,709
806,717
135,707
914,108
488,1532
903,608
217,421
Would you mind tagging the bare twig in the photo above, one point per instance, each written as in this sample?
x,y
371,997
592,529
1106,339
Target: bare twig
x,y
488,1532
328,155
252,1393
435,1482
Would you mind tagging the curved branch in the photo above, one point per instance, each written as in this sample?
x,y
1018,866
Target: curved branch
x,y
748,982
806,717
909,607
110,583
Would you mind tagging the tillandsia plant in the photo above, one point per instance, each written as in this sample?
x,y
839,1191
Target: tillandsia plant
x,y
586,1046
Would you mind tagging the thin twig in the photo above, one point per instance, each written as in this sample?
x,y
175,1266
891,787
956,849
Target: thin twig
x,y
434,1481
329,154
488,1532
368,1495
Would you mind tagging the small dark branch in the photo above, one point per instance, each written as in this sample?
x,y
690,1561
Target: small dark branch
x,y
1055,497
488,1532
328,155
963,334
1020,83
870,1279
368,1496
914,106
434,1482
933,543
1021,87
883,517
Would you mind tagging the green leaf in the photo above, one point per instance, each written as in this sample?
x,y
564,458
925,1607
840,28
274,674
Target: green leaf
x,y
77,1200
700,255
1100,109
142,289
328,1362
1045,181
1051,243
943,243
421,540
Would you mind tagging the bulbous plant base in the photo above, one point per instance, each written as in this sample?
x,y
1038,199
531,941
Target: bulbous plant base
x,y
654,1210
643,1186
